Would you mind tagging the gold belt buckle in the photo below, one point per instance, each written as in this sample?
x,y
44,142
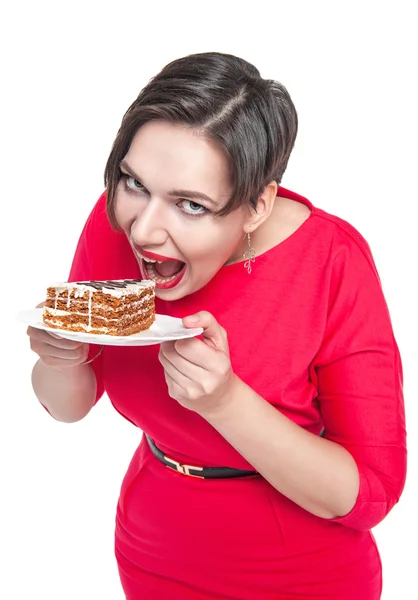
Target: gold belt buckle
x,y
184,469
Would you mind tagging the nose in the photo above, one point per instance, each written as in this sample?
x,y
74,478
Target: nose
x,y
149,227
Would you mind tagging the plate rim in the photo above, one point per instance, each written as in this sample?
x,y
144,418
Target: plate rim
x,y
105,339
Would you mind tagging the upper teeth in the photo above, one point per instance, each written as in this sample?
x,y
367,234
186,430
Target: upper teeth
x,y
150,260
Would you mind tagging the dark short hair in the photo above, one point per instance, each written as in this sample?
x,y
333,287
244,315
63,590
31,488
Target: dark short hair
x,y
250,119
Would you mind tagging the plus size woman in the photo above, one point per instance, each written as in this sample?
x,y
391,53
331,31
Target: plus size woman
x,y
275,441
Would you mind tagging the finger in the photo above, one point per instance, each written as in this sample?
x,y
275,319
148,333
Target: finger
x,y
168,353
173,372
197,353
178,350
174,390
193,357
213,334
55,335
46,350
52,339
59,363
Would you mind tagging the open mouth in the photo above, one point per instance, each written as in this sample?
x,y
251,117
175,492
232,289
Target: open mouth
x,y
165,273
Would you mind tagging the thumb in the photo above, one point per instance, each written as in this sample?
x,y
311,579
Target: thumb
x,y
213,335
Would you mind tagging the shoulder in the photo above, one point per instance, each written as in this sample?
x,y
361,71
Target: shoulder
x,y
347,241
98,219
326,230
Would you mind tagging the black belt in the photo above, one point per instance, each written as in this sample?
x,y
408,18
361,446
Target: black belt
x,y
202,472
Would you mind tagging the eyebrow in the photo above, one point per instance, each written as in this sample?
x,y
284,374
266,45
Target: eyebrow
x,y
189,194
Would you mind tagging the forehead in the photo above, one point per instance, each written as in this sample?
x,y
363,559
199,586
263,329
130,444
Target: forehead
x,y
176,157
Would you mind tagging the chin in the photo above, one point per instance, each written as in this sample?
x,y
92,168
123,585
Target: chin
x,y
170,295
180,291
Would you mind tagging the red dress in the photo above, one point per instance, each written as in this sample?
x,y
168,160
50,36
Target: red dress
x,y
309,330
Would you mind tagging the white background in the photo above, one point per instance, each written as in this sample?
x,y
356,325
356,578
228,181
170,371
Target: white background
x,y
69,72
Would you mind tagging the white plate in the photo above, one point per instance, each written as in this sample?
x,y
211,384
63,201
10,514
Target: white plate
x,y
163,329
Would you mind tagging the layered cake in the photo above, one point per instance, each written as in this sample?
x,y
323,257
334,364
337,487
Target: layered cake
x,y
118,307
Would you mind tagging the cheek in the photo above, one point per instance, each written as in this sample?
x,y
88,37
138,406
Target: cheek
x,y
211,248
125,211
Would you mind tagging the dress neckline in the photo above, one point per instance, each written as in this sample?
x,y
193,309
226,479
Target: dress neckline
x,y
236,270
284,193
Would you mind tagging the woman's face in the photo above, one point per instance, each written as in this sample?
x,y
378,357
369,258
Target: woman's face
x,y
172,182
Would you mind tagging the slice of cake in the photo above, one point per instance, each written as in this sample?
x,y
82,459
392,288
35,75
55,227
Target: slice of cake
x,y
119,307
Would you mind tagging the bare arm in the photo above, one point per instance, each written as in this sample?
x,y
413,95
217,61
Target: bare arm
x,y
62,383
317,474
68,394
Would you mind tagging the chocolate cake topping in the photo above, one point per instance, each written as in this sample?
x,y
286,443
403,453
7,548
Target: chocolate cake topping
x,y
98,285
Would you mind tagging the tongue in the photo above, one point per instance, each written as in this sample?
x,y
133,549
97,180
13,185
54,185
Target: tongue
x,y
169,268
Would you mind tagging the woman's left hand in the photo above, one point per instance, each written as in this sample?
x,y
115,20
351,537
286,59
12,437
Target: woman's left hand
x,y
198,372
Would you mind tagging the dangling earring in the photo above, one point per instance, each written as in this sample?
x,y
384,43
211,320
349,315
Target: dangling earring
x,y
249,255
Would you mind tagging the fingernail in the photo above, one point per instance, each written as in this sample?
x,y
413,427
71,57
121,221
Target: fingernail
x,y
192,318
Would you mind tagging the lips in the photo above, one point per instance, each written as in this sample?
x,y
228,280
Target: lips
x,y
150,270
152,255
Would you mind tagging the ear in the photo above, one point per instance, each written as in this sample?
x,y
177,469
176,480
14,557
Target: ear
x,y
265,205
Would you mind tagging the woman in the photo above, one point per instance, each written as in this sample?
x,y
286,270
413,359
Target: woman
x,y
276,441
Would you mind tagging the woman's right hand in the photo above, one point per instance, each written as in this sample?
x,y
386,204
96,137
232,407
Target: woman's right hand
x,y
55,351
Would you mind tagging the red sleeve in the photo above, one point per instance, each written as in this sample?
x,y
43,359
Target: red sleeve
x,y
81,270
359,379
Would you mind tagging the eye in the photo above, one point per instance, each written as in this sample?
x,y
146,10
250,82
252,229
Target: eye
x,y
192,208
133,184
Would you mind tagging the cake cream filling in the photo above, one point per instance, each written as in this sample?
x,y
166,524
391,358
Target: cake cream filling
x,y
106,307
81,288
66,313
87,327
83,326
76,292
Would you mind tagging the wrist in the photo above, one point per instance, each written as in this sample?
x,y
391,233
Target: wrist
x,y
62,366
96,355
228,402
